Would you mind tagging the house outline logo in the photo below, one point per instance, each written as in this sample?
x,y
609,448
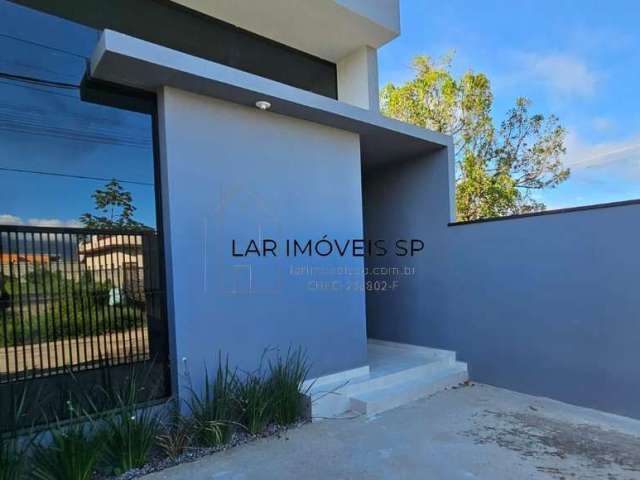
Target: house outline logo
x,y
240,198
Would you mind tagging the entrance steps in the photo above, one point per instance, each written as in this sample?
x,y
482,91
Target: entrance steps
x,y
397,374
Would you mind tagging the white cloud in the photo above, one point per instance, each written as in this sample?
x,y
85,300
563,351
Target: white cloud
x,y
602,124
562,74
620,157
8,219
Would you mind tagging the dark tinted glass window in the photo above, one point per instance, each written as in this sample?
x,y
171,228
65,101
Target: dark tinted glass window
x,y
55,148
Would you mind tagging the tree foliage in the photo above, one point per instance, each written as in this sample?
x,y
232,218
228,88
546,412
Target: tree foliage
x,y
498,167
117,209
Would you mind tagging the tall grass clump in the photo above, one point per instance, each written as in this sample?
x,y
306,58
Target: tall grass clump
x,y
15,446
213,411
12,459
255,399
72,452
286,378
130,432
176,436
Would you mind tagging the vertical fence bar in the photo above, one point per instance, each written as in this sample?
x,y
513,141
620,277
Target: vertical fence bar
x,y
74,245
4,306
115,270
21,307
113,314
147,292
37,301
139,325
131,298
14,326
29,343
86,304
69,302
58,297
53,308
141,295
94,299
47,339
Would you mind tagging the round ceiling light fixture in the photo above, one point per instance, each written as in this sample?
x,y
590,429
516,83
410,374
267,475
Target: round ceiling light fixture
x,y
263,105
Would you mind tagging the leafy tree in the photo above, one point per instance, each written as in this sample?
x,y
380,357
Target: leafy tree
x,y
497,168
117,208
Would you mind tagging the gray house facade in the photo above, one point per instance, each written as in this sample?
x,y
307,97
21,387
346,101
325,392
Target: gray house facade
x,y
276,175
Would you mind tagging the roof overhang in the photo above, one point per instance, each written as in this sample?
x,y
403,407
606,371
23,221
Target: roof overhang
x,y
125,60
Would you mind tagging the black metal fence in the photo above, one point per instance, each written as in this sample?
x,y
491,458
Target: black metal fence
x,y
78,309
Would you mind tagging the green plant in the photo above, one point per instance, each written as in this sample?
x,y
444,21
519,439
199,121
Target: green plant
x,y
287,375
499,167
176,436
63,320
12,460
117,206
213,411
130,432
254,399
14,447
72,452
72,455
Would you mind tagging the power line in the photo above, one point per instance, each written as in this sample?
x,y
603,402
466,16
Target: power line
x,y
80,177
48,47
39,81
18,123
49,92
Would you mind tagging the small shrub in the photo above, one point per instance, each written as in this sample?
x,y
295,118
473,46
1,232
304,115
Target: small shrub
x,y
130,433
254,399
176,436
213,412
72,455
287,376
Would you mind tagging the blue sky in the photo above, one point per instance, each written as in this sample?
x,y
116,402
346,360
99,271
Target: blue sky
x,y
578,60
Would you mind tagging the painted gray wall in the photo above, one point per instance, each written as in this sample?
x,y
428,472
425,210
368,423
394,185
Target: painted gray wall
x,y
233,172
546,305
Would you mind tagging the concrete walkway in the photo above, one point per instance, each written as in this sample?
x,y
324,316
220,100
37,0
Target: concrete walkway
x,y
473,432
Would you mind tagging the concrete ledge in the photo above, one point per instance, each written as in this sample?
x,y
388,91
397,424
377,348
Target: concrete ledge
x,y
337,377
123,59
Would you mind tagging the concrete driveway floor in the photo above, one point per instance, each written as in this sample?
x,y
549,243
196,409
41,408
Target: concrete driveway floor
x,y
471,432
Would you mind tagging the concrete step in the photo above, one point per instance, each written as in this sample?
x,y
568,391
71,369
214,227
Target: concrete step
x,y
383,378
379,400
429,353
396,373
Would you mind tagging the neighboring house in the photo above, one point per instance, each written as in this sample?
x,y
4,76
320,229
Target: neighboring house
x,y
17,265
279,99
111,251
27,258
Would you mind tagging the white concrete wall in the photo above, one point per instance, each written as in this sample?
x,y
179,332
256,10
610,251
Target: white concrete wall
x,y
358,78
